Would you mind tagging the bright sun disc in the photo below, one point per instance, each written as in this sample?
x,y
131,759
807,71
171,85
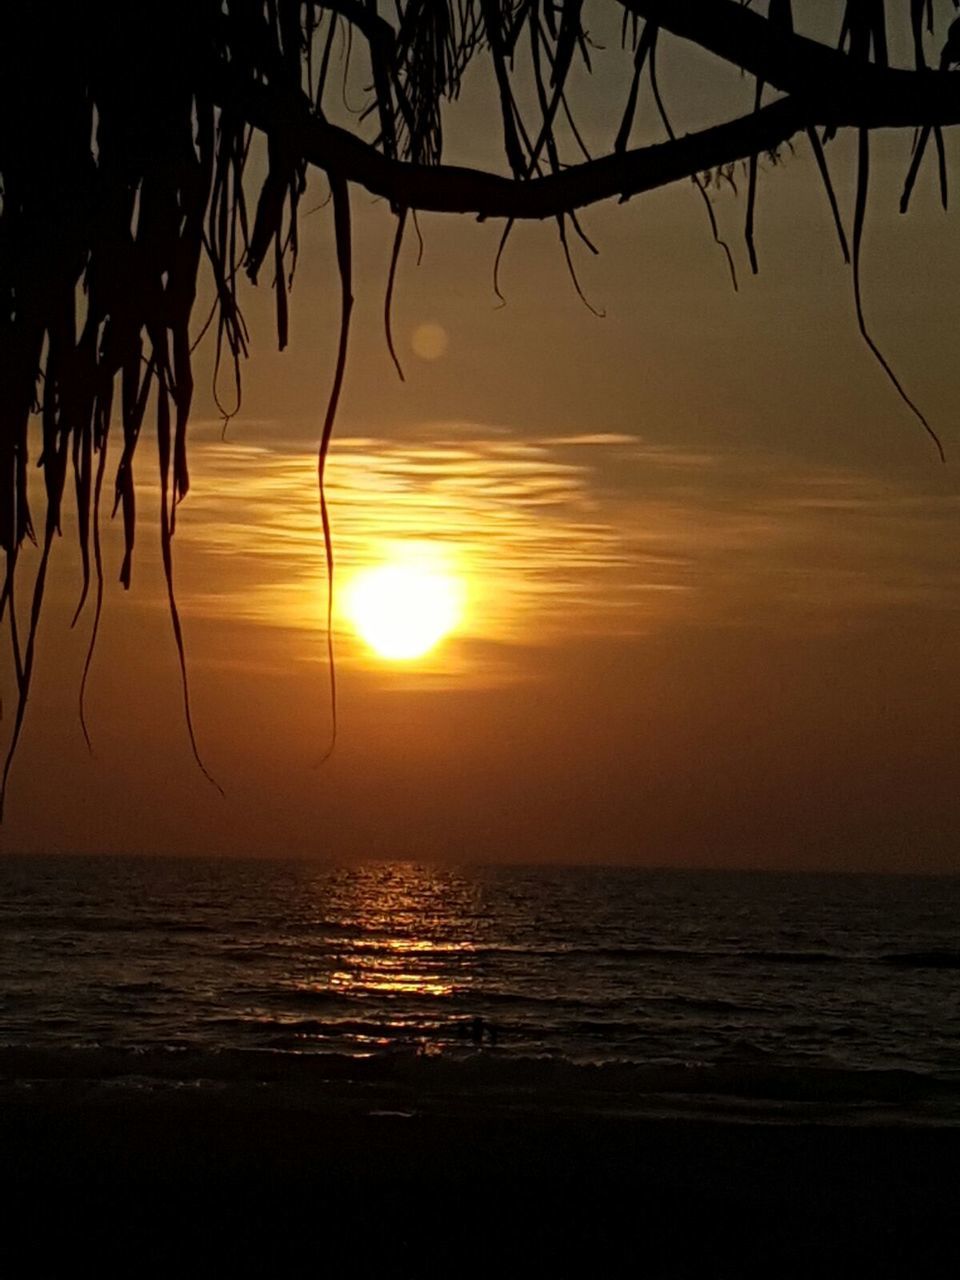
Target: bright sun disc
x,y
401,611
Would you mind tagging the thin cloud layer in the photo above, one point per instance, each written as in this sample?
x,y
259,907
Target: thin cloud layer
x,y
584,535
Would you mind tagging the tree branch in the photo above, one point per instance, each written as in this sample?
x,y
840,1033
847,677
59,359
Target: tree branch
x,y
838,89
825,87
453,189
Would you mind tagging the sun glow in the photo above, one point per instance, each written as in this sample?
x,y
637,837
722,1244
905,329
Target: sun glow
x,y
403,608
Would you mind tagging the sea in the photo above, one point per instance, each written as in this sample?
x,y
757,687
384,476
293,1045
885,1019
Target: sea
x,y
825,996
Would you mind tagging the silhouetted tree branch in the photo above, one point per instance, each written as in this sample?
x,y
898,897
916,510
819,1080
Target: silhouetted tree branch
x,y
125,130
838,88
453,189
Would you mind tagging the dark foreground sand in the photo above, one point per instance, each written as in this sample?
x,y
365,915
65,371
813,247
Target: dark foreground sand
x,y
262,1180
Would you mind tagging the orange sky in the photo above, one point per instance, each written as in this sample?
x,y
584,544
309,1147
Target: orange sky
x,y
711,562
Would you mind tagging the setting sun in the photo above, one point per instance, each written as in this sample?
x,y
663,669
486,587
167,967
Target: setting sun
x,y
402,610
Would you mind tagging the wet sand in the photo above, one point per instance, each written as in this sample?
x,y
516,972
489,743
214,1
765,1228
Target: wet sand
x,y
265,1179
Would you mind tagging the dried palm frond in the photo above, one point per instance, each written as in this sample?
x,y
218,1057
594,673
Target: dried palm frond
x,y
125,131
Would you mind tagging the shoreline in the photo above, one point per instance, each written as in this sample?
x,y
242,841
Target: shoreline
x,y
746,1089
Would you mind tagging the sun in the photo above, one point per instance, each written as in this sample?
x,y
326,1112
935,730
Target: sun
x,y
401,611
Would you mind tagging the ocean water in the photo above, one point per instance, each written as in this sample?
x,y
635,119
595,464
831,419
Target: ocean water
x,y
811,991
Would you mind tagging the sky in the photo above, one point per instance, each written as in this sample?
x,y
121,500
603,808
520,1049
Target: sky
x,y
709,595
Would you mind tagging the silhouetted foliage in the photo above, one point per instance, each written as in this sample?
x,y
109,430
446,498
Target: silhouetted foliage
x,y
125,131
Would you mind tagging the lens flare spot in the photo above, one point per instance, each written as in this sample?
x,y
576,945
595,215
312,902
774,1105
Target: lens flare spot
x,y
430,341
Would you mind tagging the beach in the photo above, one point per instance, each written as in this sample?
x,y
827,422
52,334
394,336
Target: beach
x,y
277,1174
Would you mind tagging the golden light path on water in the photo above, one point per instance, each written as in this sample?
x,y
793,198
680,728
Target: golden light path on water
x,y
401,930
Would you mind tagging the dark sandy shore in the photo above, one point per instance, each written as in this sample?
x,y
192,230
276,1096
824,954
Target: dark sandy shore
x,y
263,1179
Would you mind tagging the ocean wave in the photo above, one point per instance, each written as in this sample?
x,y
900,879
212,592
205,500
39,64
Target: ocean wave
x,y
750,1079
798,957
343,1027
365,948
923,959
708,1004
81,922
457,999
149,986
346,940
607,1027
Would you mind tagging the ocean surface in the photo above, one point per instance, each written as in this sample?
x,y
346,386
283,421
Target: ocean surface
x,y
824,994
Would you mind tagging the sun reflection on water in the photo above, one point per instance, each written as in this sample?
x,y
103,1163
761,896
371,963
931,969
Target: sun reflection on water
x,y
357,982
393,932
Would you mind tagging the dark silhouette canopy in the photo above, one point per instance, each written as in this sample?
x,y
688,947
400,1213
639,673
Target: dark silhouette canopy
x,y
125,132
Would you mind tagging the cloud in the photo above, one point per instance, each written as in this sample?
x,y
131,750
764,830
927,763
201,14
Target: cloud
x,y
520,525
621,537
590,438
